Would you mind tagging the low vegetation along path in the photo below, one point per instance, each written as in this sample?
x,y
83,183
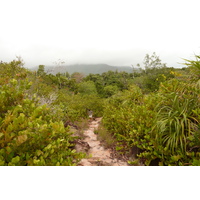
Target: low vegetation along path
x,y
98,155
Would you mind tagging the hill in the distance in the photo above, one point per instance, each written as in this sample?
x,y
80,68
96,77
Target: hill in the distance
x,y
86,68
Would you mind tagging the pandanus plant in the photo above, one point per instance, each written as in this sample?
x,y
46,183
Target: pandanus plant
x,y
176,123
178,115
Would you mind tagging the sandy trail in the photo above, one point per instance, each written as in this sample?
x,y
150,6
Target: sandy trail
x,y
99,156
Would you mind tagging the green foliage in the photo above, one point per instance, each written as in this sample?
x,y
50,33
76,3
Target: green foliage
x,y
129,117
87,87
176,120
194,66
155,111
30,133
134,162
151,78
163,125
41,71
109,83
76,106
110,90
152,74
153,61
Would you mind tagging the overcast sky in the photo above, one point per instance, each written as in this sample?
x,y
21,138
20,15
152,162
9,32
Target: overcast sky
x,y
115,32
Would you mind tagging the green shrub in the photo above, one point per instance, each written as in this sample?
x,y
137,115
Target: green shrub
x,y
164,126
87,87
31,133
129,117
76,106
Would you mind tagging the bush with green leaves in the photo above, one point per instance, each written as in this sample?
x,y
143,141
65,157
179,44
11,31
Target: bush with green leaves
x,y
109,83
152,74
31,133
76,106
129,117
110,90
87,87
164,126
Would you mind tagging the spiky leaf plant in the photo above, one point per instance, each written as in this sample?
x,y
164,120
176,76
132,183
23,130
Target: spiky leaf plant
x,y
176,123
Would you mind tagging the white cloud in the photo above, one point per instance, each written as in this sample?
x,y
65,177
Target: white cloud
x,y
98,30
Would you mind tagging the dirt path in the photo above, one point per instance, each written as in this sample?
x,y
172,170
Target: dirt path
x,y
98,155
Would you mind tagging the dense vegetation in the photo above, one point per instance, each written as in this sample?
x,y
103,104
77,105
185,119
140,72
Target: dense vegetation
x,y
159,120
151,115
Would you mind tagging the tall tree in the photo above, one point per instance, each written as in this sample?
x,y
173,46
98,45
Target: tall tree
x,y
41,71
153,61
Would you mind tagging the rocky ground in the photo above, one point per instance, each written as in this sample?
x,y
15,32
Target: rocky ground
x,y
96,153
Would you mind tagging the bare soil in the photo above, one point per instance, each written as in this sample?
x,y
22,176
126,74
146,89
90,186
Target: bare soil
x,y
97,154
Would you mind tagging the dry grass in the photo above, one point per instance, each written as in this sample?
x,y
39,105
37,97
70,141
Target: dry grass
x,y
82,126
104,136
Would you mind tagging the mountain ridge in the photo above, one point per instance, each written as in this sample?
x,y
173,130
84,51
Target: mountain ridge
x,y
86,68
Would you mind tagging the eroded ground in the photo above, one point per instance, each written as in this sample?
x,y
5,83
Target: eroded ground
x,y
97,154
